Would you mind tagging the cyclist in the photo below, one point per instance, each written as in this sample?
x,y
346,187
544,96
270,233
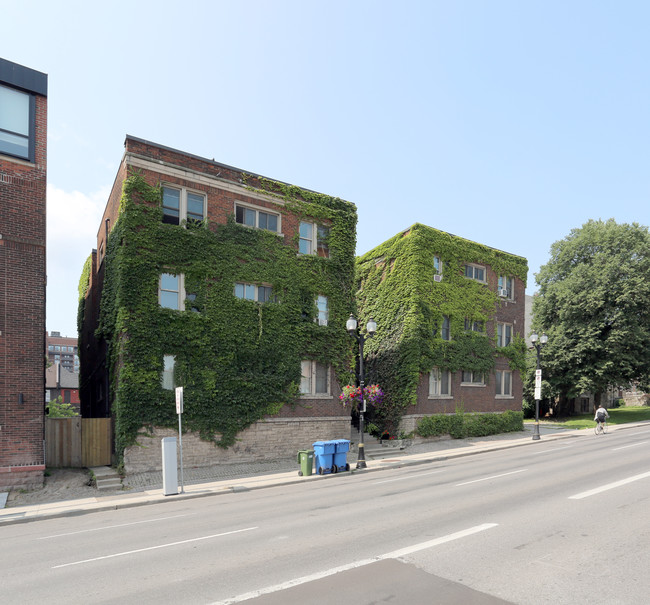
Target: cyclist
x,y
601,414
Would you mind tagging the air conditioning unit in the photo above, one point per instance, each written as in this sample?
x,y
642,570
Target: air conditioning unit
x,y
322,322
437,277
503,293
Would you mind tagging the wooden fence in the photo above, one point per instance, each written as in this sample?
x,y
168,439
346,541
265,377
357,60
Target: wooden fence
x,y
78,442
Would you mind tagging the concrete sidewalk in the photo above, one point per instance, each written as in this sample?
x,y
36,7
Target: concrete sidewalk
x,y
420,453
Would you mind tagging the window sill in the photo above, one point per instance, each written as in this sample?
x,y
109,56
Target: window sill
x,y
317,396
472,384
440,397
504,396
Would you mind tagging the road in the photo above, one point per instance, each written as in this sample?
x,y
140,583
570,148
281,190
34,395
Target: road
x,y
558,522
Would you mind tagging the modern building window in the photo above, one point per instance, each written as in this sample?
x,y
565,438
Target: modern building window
x,y
473,378
504,334
170,292
167,381
50,348
505,287
181,204
476,272
439,383
323,310
446,328
254,292
313,239
17,123
314,380
474,326
259,219
504,383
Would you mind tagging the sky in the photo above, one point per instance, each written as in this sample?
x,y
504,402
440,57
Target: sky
x,y
509,123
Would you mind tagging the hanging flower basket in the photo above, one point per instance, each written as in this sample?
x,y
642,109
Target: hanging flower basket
x,y
352,397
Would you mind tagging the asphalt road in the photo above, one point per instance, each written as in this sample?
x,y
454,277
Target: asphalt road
x,y
557,522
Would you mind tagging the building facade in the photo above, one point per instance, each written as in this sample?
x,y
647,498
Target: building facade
x,y
63,350
61,382
451,326
23,166
235,287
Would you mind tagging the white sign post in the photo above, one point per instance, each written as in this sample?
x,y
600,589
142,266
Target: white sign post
x,y
179,411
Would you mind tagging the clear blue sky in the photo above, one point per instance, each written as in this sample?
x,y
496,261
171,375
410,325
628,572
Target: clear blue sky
x,y
505,122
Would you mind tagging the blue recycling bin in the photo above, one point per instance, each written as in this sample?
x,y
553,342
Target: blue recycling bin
x,y
342,447
324,456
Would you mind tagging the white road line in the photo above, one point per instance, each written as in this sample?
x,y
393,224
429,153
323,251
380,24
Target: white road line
x,y
138,550
414,476
330,572
624,447
604,488
523,470
83,531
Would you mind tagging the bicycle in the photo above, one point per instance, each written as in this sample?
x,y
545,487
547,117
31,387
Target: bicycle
x,y
601,427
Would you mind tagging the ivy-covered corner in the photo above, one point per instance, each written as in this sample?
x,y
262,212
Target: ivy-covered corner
x,y
238,360
400,286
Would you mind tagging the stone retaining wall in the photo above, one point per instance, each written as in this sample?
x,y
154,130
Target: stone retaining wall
x,y
265,440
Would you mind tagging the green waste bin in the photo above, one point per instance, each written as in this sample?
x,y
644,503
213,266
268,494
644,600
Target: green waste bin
x,y
306,461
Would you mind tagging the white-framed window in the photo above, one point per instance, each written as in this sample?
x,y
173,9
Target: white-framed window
x,y
167,378
505,287
476,272
504,383
504,334
474,326
171,293
180,204
17,123
254,292
439,383
437,265
313,239
257,218
314,379
472,378
323,310
445,332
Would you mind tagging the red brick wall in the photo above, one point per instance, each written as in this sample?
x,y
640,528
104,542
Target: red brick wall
x,y
22,312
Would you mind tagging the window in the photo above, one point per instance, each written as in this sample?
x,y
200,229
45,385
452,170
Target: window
x,y
180,204
57,347
446,328
313,239
314,380
66,396
252,217
254,292
476,272
473,378
504,383
169,293
167,381
474,326
437,265
323,310
50,348
505,287
17,124
504,334
439,383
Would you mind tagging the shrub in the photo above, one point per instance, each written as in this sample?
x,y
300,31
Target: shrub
x,y
460,425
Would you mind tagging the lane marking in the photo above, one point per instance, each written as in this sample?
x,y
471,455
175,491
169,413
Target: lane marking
x,y
138,550
624,447
604,488
330,572
522,470
633,434
83,531
408,477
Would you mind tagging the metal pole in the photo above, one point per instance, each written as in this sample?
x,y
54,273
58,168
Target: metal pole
x,y
180,443
361,458
536,427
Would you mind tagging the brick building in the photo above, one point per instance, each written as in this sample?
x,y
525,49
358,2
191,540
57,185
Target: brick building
x,y
23,161
451,324
230,284
63,350
61,382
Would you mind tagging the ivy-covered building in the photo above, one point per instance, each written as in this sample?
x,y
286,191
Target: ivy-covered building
x,y
232,285
450,315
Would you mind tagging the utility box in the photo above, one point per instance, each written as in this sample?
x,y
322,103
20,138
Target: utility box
x,y
169,466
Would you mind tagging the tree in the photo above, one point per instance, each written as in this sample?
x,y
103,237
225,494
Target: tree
x,y
593,305
57,409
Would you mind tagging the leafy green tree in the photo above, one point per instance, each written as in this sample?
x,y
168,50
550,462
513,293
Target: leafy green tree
x,y
57,409
593,305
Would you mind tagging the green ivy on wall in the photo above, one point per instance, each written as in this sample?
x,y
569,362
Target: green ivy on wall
x,y
396,287
238,360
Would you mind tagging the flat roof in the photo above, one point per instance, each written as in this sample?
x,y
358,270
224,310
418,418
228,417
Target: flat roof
x,y
22,77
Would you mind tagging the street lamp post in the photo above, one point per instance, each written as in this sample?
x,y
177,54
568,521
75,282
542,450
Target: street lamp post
x,y
371,328
543,339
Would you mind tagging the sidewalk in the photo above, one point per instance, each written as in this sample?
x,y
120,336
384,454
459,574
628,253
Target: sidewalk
x,y
226,479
